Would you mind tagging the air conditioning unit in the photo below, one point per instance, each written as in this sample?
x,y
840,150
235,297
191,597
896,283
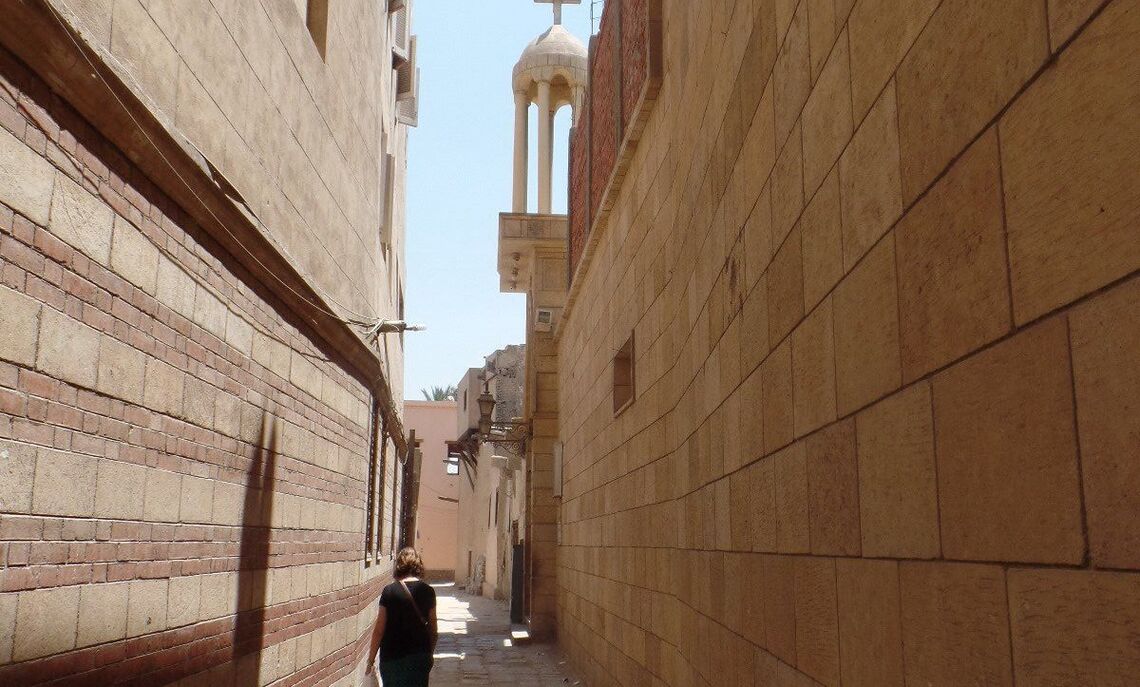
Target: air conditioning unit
x,y
543,320
401,22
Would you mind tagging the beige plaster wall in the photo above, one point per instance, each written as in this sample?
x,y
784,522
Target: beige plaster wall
x,y
880,262
437,535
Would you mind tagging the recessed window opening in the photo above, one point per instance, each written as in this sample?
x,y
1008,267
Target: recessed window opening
x,y
317,20
623,376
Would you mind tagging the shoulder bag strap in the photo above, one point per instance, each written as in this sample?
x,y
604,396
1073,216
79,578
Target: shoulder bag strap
x,y
416,606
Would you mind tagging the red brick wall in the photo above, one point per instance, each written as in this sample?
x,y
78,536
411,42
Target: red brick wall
x,y
579,189
177,451
604,76
634,55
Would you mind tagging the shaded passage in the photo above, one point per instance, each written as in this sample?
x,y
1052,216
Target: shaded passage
x,y
475,646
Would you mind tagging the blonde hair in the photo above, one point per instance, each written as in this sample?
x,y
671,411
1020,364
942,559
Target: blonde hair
x,y
409,563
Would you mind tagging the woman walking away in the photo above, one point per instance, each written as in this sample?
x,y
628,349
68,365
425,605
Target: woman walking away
x,y
406,628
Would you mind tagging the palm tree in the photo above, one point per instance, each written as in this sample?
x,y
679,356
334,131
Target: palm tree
x,y
440,393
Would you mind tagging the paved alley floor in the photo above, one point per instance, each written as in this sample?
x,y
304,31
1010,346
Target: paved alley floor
x,y
475,646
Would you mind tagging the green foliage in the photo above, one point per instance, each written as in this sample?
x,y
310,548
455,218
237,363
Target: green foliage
x,y
440,393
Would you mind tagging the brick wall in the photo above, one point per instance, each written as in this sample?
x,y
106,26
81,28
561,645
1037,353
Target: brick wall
x,y
880,261
182,469
604,109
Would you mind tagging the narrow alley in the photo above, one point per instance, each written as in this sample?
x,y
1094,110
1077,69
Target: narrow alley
x,y
475,646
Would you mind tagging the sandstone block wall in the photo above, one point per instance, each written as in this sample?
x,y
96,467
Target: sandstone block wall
x,y
879,259
300,132
182,469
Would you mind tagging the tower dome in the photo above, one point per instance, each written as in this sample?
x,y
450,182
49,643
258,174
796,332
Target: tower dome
x,y
555,56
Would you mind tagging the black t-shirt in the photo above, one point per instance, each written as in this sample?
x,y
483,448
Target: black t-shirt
x,y
404,633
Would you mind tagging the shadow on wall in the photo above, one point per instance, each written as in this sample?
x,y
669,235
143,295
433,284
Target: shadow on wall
x,y
253,570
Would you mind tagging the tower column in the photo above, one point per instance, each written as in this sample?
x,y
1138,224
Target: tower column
x,y
545,147
522,110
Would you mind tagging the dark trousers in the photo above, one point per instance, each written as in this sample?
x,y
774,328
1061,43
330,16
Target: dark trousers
x,y
410,671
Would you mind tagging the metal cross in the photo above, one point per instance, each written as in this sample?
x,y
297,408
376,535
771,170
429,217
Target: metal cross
x,y
558,7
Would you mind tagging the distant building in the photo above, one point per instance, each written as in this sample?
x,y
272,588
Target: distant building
x,y
491,480
201,287
437,505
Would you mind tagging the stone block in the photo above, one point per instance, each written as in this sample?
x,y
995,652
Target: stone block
x,y
898,493
882,32
1072,194
1008,484
1066,16
758,248
184,600
870,636
122,370
867,359
82,220
871,192
821,241
817,623
970,60
198,402
1104,334
65,484
754,331
68,349
239,333
791,76
813,371
134,257
46,622
102,613
146,54
787,189
753,507
17,471
954,623
227,413
785,289
305,374
1075,627
95,19
210,313
7,626
175,288
163,496
120,490
21,327
779,603
827,118
833,490
27,179
163,388
790,471
146,607
197,500
775,381
950,251
216,600
823,27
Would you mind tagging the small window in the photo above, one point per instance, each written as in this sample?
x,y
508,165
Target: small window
x,y
452,465
623,376
317,19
